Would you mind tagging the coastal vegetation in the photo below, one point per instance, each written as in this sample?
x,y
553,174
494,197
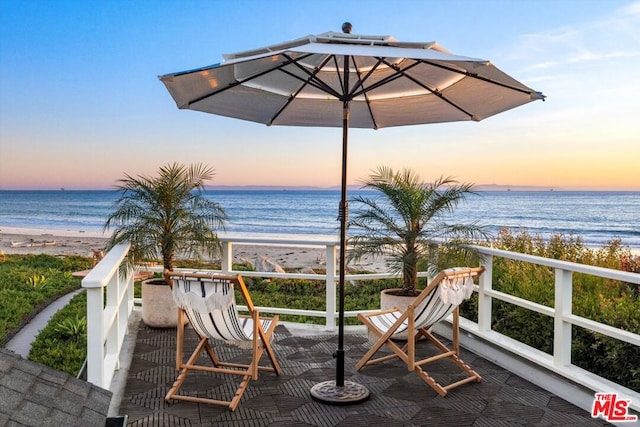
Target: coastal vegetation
x,y
611,302
167,214
28,283
405,222
62,344
614,303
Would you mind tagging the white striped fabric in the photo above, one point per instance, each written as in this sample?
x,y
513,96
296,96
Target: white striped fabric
x,y
431,310
211,308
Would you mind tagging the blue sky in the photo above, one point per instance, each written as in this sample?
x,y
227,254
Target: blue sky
x,y
80,102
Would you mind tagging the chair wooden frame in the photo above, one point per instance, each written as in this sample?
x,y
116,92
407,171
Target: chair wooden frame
x,y
261,342
407,353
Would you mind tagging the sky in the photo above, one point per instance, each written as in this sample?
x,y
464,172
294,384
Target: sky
x,y
81,104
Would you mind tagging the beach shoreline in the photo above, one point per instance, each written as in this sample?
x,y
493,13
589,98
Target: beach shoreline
x,y
68,242
82,243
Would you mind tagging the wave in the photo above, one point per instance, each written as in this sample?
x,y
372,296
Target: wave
x,y
597,217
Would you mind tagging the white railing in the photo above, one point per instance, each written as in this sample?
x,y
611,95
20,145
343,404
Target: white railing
x,y
109,304
478,335
330,245
561,312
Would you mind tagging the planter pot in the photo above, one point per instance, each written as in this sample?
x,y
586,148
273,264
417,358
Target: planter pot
x,y
158,308
401,302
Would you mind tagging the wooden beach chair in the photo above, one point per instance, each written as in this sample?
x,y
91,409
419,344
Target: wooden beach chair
x,y
440,298
208,301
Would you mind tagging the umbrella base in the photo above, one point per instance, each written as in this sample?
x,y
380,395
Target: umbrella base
x,y
350,394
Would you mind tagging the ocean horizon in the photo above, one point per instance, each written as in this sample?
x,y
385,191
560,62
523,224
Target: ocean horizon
x,y
595,216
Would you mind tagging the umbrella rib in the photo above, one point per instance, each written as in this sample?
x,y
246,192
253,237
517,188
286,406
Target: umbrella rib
x,y
284,107
364,92
386,80
240,82
422,85
340,80
318,84
313,80
353,93
475,76
312,76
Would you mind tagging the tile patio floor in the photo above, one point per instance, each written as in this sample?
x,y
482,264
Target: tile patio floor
x,y
399,398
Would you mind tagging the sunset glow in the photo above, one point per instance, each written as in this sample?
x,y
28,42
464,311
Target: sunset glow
x,y
80,102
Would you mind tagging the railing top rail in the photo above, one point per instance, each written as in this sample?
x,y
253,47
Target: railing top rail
x,y
289,239
100,275
608,273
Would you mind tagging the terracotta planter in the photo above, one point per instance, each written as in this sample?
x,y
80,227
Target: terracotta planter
x,y
158,308
389,301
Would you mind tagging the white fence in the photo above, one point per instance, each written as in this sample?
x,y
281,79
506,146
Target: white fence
x,y
106,334
559,362
109,288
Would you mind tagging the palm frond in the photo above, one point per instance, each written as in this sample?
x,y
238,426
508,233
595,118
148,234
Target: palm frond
x,y
407,218
167,214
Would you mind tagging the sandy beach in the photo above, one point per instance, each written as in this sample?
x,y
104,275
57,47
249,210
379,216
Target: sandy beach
x,y
60,243
17,241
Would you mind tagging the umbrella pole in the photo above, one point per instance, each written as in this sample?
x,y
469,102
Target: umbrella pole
x,y
339,392
343,214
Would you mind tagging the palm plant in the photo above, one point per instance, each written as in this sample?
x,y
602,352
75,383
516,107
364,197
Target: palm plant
x,y
167,215
407,221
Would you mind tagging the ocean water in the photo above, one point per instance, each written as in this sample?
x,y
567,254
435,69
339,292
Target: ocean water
x,y
595,216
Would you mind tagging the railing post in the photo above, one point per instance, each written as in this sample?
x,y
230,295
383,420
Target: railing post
x,y
562,329
125,300
130,289
485,283
226,262
107,320
330,286
111,339
95,337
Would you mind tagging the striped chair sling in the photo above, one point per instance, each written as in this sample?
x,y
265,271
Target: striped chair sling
x,y
210,305
208,301
435,303
434,307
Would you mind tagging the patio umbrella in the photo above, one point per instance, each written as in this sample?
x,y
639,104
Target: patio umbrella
x,y
347,80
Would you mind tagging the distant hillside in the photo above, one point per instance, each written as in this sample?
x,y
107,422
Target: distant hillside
x,y
497,187
481,187
266,188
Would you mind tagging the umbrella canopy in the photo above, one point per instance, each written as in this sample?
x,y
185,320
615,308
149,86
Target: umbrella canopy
x,y
390,83
347,80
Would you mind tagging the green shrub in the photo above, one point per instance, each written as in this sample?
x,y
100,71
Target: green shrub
x,y
72,328
28,283
37,281
607,301
310,295
62,344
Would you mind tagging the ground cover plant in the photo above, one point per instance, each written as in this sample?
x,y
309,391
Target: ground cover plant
x,y
614,303
611,302
28,283
62,344
310,295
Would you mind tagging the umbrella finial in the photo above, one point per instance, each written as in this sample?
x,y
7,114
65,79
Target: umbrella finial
x,y
347,27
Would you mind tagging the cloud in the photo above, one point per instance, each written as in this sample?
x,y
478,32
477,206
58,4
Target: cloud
x,y
615,37
632,9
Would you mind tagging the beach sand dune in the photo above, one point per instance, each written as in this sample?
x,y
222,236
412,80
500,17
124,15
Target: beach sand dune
x,y
60,243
